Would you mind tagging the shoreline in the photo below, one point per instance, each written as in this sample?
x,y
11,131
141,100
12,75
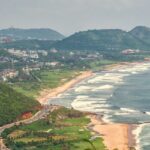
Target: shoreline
x,y
47,94
115,135
123,134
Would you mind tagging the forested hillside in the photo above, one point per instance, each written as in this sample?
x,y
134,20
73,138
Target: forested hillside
x,y
100,40
142,33
13,104
24,34
113,39
29,44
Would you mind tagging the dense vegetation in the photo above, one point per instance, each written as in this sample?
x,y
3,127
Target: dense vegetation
x,y
29,44
101,40
24,34
107,40
142,33
63,129
13,104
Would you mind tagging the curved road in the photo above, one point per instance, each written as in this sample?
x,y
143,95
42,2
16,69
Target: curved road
x,y
39,115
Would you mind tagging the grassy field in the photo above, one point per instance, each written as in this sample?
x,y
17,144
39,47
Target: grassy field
x,y
99,65
64,129
43,79
52,78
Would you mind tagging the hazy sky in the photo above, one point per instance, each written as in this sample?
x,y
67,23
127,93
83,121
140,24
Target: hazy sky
x,y
68,16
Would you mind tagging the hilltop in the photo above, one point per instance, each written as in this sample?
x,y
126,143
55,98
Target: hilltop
x,y
26,34
113,40
106,39
142,33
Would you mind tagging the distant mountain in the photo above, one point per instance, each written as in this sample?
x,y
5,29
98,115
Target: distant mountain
x,y
13,104
29,44
25,34
102,40
142,33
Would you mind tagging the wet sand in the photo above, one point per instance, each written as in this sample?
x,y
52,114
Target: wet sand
x,y
46,94
115,135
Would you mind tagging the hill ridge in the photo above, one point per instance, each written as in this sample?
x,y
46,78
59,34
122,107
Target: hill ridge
x,y
31,33
103,39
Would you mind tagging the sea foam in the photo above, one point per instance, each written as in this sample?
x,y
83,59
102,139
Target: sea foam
x,y
82,88
137,133
103,87
129,110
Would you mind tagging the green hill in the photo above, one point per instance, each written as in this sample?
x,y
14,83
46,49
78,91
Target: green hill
x,y
142,33
102,40
25,34
13,104
29,44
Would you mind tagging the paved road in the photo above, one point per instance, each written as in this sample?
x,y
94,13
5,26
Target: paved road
x,y
39,115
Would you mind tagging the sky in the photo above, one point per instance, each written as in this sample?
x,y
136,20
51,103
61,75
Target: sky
x,y
69,16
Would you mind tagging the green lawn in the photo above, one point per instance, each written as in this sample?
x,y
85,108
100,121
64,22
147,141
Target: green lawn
x,y
39,125
99,65
77,121
85,145
43,79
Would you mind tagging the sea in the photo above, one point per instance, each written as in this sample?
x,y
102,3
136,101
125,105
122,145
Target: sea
x,y
121,95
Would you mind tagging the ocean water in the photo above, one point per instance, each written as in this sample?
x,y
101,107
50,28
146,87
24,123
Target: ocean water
x,y
120,95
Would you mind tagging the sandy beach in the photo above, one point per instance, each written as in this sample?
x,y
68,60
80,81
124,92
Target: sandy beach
x,y
115,135
46,94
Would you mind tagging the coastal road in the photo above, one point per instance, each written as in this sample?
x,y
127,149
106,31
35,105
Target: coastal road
x,y
39,115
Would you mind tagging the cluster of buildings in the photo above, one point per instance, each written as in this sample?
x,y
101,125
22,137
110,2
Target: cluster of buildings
x,y
4,59
21,53
5,39
38,66
130,51
91,56
31,60
27,53
8,74
53,50
52,64
28,69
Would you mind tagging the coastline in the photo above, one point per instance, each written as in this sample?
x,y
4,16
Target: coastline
x,y
132,130
47,94
122,136
115,135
